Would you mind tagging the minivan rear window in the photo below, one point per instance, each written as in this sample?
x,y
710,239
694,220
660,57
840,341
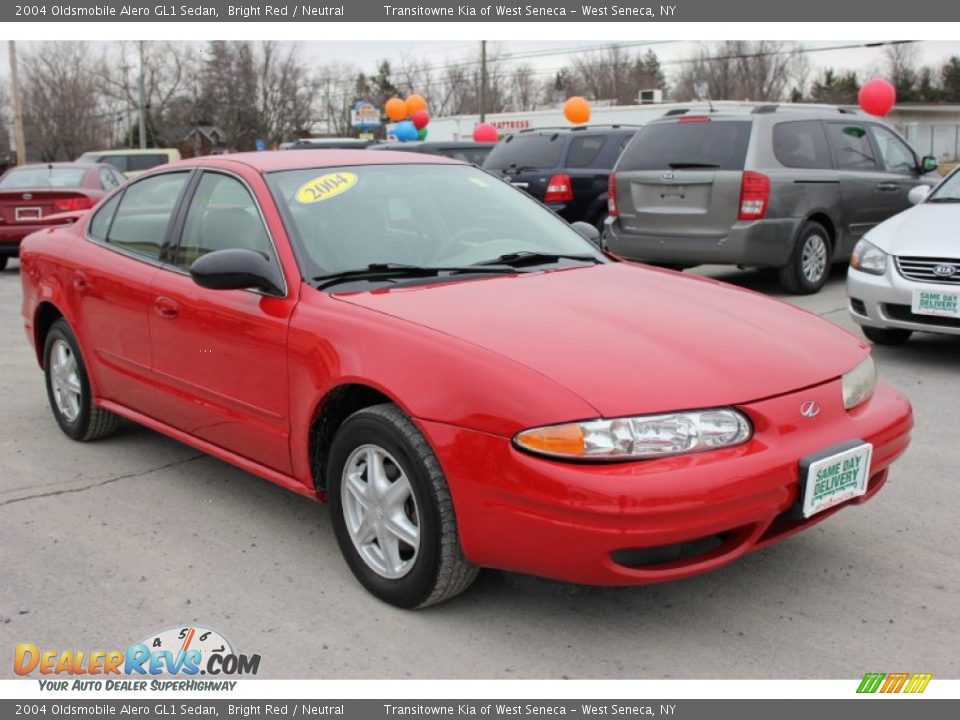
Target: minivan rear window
x,y
526,151
710,144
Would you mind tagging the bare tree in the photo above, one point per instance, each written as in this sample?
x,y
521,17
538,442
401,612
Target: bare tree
x,y
286,93
742,70
62,109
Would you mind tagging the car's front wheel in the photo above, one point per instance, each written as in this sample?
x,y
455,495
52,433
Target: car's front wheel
x,y
886,336
392,512
809,265
68,388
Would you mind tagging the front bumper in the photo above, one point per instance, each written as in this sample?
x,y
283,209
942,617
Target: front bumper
x,y
885,301
760,243
641,522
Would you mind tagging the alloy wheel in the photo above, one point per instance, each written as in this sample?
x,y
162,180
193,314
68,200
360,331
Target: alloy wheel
x,y
814,258
65,381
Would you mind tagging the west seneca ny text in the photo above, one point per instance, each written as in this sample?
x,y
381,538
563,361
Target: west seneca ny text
x,y
511,11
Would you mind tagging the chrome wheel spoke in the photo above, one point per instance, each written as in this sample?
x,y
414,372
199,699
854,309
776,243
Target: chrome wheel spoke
x,y
65,381
380,510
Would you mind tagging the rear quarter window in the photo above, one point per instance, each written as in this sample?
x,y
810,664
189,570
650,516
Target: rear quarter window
x,y
720,144
801,144
584,150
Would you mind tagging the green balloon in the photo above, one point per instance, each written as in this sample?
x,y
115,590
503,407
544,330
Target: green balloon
x,y
422,133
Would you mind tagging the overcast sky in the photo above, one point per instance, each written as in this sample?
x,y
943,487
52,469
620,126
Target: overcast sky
x,y
546,57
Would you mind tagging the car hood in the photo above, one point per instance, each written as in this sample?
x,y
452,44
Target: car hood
x,y
926,230
630,339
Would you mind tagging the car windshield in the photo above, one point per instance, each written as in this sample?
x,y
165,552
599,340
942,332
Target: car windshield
x,y
42,176
424,215
948,190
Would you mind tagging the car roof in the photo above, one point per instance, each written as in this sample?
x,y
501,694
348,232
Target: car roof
x,y
61,164
275,161
430,144
131,151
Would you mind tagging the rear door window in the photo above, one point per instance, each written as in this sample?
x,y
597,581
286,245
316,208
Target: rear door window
x,y
801,144
851,146
100,224
534,150
118,161
689,145
145,212
145,162
584,150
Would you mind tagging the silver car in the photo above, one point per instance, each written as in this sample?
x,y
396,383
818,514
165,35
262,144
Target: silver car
x,y
782,187
905,274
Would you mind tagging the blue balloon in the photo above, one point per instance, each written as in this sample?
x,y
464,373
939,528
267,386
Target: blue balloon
x,y
406,131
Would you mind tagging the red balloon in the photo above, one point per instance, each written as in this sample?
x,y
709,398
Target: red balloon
x,y
485,132
877,97
421,118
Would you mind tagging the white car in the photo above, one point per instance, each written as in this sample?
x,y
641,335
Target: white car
x,y
905,273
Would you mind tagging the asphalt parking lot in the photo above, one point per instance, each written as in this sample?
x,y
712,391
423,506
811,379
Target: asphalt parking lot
x,y
105,543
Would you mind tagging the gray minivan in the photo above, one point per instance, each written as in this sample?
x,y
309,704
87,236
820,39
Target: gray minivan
x,y
780,187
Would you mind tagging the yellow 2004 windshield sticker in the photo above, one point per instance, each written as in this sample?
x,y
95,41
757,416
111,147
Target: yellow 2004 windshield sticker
x,y
325,187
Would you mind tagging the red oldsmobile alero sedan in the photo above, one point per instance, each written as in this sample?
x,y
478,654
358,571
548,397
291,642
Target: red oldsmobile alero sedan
x,y
467,379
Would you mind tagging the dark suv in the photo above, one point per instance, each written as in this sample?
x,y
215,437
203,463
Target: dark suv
x,y
786,188
565,168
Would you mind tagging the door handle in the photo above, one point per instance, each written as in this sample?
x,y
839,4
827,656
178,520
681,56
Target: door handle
x,y
888,187
166,308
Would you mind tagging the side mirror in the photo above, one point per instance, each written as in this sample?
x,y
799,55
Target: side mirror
x,y
588,231
237,269
929,164
918,194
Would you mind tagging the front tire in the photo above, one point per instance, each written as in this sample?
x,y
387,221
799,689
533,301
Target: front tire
x,y
392,512
809,265
886,336
68,388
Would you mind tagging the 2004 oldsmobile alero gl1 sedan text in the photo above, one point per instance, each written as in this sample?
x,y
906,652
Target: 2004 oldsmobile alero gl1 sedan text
x,y
467,379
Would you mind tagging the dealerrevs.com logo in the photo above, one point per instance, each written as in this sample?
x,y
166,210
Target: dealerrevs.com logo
x,y
184,652
899,682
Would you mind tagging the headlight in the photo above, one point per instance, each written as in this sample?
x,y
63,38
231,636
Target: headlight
x,y
868,258
859,383
635,438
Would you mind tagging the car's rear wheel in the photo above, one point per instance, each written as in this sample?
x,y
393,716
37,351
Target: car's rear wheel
x,y
809,265
68,388
886,336
392,512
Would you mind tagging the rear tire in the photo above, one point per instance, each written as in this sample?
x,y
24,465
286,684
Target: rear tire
x,y
809,265
392,513
68,388
886,336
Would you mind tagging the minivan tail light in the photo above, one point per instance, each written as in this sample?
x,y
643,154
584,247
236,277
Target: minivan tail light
x,y
754,196
612,197
73,204
559,189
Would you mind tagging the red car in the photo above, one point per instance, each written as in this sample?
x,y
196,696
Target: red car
x,y
467,379
35,196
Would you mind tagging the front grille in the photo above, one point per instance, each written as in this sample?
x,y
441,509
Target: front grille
x,y
921,269
906,314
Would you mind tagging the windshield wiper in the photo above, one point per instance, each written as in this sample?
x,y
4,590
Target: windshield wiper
x,y
390,271
944,200
527,257
692,166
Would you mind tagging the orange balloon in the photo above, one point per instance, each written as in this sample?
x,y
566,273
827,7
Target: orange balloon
x,y
396,109
414,103
577,110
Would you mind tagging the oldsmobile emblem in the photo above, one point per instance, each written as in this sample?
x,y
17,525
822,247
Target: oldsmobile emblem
x,y
945,270
810,409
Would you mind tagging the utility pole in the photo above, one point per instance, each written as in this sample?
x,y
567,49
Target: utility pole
x,y
17,106
143,119
483,79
